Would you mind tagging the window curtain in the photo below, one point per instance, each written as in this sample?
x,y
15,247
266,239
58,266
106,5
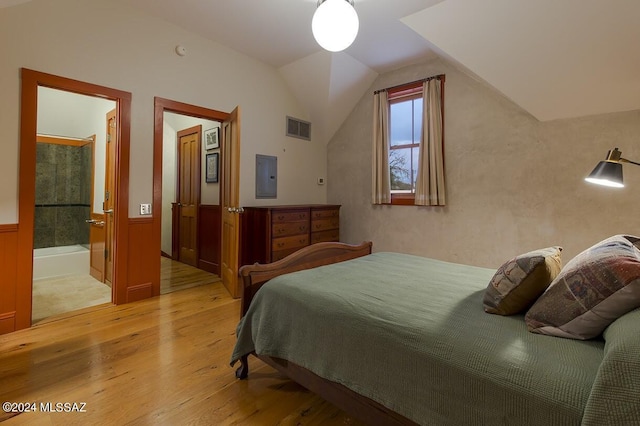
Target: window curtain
x,y
381,189
430,180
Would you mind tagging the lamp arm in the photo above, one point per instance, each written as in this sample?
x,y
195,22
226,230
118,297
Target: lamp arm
x,y
624,160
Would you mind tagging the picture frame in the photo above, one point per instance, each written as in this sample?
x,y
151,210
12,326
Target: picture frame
x,y
212,138
211,168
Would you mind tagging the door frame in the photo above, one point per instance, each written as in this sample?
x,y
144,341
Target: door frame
x,y
161,106
27,183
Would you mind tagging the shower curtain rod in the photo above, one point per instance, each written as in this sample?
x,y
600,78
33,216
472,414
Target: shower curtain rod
x,y
46,135
439,76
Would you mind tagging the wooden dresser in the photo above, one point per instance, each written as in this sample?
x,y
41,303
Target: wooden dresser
x,y
271,233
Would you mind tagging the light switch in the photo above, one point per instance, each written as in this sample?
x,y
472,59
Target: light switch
x,y
145,209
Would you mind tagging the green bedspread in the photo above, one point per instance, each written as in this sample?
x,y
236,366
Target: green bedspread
x,y
411,333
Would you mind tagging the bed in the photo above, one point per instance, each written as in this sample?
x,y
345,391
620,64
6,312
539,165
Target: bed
x,y
399,339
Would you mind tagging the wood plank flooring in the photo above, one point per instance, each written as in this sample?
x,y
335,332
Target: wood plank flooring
x,y
179,276
67,294
159,361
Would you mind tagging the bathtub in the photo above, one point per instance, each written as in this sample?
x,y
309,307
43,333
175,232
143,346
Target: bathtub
x,y
58,261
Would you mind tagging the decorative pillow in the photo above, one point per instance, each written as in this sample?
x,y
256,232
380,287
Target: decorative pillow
x,y
597,286
520,281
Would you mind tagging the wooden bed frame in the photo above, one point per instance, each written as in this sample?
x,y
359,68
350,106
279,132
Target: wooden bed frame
x,y
254,276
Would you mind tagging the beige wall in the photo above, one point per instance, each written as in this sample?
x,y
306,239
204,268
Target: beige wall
x,y
110,44
514,184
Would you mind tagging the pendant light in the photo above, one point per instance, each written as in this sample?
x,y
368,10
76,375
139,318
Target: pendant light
x,y
335,24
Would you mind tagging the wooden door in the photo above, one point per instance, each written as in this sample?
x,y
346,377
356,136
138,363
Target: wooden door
x,y
96,225
230,201
97,246
188,195
109,195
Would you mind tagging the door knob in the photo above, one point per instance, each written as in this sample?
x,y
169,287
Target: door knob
x,y
232,209
109,211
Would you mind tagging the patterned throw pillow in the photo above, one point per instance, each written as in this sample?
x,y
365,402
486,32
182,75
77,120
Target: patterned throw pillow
x,y
595,288
520,281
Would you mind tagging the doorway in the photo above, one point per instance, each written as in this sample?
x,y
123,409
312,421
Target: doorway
x,y
70,182
209,257
32,81
190,205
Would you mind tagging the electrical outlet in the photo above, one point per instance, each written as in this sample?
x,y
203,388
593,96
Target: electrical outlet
x,y
320,181
145,209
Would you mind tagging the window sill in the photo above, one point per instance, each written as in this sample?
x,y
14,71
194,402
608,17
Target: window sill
x,y
402,199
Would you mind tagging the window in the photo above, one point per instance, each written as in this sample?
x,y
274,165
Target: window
x,y
405,124
408,144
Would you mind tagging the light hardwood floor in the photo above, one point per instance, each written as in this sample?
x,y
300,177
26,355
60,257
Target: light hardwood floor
x,y
179,276
160,361
53,296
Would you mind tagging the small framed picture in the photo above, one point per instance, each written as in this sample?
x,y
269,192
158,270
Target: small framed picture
x,y
212,138
211,164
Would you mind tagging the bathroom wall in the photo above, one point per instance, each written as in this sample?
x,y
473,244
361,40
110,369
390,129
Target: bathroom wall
x,y
63,194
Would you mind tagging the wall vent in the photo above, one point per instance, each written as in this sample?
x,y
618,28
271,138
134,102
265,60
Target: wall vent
x,y
298,128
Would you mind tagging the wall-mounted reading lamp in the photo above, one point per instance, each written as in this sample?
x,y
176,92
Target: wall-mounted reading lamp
x,y
609,171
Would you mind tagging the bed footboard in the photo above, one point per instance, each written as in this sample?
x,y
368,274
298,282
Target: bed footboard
x,y
254,276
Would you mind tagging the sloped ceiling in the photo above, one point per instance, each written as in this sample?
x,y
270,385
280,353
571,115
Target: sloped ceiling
x,y
329,85
554,58
278,32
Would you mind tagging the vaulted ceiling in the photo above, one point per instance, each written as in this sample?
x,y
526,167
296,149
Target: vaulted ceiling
x,y
554,58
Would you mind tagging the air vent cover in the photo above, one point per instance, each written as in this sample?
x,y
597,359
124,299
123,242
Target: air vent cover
x,y
298,128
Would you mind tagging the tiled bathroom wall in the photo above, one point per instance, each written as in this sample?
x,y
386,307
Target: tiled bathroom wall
x,y
63,194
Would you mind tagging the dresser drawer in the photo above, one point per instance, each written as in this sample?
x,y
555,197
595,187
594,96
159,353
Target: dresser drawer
x,y
289,215
283,229
281,254
270,233
325,224
324,213
293,242
325,236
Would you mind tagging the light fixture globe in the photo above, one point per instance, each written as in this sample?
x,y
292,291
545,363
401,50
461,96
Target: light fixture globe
x,y
335,24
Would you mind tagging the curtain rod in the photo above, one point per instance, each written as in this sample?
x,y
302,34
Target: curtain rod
x,y
439,76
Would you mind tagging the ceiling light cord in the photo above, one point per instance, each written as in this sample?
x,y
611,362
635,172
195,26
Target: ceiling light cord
x,y
351,2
